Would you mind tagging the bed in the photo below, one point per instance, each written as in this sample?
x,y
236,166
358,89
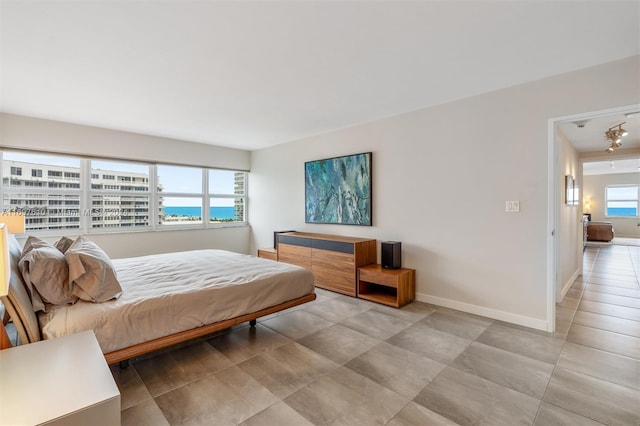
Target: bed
x,y
166,299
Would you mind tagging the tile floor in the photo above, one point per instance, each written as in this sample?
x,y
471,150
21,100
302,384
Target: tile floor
x,y
344,361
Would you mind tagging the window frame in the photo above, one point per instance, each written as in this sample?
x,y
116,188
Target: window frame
x,y
636,200
86,194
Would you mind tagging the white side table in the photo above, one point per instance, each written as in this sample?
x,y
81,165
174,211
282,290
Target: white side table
x,y
64,381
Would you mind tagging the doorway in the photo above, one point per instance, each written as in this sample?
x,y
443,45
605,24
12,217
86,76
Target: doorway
x,y
569,146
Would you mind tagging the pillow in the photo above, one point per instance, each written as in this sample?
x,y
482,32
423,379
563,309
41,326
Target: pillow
x,y
91,273
46,274
63,244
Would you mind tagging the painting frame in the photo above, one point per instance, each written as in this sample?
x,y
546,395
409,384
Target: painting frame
x,y
569,192
338,190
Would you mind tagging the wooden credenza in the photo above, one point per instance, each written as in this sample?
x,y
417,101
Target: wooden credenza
x,y
334,260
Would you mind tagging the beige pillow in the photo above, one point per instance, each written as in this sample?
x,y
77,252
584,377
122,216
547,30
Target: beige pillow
x,y
46,274
91,272
63,244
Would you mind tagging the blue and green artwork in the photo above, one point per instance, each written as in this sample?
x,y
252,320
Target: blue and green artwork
x,y
338,190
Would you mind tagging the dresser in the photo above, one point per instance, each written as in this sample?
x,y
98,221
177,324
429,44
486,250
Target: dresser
x,y
334,260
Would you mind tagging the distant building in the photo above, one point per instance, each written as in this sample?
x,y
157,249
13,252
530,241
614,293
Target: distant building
x,y
49,196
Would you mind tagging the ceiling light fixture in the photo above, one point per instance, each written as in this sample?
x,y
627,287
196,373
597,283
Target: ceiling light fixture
x,y
615,135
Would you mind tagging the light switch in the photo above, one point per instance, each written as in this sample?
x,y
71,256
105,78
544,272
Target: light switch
x,y
513,206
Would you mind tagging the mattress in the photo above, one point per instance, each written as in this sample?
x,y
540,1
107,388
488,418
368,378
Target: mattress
x,y
164,294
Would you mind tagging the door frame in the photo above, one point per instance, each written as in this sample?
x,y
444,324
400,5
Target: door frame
x,y
555,182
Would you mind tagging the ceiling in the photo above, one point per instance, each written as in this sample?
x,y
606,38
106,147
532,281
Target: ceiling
x,y
252,74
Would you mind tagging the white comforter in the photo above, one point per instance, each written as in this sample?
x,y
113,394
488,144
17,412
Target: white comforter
x,y
168,293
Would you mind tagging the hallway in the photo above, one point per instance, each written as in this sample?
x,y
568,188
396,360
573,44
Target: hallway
x,y
598,372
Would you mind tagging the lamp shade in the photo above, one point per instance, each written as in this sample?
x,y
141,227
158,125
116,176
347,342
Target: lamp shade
x,y
5,265
14,221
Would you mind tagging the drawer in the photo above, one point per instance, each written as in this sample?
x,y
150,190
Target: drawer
x,y
327,256
335,282
296,255
389,279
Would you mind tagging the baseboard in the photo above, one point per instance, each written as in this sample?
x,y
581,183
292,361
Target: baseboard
x,y
485,312
567,285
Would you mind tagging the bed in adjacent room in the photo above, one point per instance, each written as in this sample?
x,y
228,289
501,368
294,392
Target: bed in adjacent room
x,y
165,299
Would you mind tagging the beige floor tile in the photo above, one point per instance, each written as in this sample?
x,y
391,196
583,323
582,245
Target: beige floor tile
x,y
247,342
131,387
297,324
605,340
412,312
457,323
614,299
145,413
514,371
607,366
530,343
176,368
468,399
338,343
596,399
416,414
376,324
620,291
550,415
398,369
609,323
229,396
427,341
287,368
338,309
344,397
279,414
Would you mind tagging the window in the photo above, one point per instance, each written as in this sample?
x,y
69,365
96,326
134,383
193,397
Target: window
x,y
115,206
46,203
94,195
622,200
180,194
227,196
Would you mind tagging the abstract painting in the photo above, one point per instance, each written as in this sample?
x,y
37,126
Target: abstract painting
x,y
338,190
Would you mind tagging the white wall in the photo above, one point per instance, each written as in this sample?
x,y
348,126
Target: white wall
x,y
594,188
441,177
30,133
570,229
22,132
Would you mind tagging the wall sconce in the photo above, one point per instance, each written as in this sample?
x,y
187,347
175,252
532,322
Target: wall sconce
x,y
587,205
614,135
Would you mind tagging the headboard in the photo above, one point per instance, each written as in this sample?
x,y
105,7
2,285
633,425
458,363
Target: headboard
x,y
17,302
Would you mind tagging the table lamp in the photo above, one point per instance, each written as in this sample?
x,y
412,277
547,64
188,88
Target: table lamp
x,y
5,276
14,223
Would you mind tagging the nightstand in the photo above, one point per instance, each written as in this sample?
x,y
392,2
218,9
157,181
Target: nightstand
x,y
63,381
393,287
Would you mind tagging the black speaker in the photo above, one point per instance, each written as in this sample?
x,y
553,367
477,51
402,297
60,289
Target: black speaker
x,y
391,254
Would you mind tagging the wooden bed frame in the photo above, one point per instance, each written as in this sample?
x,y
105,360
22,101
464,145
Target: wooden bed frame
x,y
125,354
18,305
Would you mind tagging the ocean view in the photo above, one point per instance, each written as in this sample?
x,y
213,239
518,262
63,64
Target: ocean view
x,y
214,212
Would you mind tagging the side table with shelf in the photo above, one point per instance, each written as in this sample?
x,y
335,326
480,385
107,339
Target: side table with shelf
x,y
393,287
63,381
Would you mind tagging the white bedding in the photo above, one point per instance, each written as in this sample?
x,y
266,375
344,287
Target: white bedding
x,y
168,293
